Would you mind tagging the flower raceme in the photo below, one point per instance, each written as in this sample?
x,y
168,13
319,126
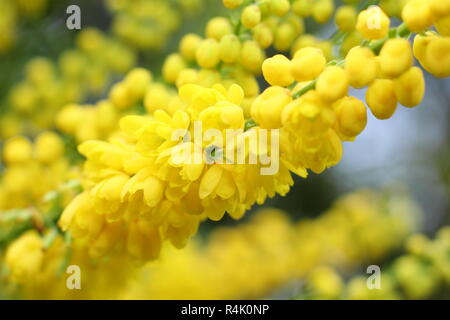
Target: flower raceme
x,y
137,195
162,174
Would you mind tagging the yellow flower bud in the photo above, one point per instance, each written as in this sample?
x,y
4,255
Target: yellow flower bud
x,y
279,7
208,53
217,27
48,147
417,15
120,96
303,8
420,46
187,76
284,36
395,57
307,64
230,48
381,98
25,256
277,71
173,65
410,87
345,18
443,25
373,23
351,116
438,57
17,150
137,81
322,10
251,16
267,108
440,8
157,97
263,35
252,56
232,4
332,83
189,44
361,67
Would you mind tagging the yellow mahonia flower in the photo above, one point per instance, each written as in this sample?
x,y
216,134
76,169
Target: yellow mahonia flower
x,y
361,67
251,16
351,116
230,48
417,15
373,23
208,53
267,108
332,83
17,150
345,18
277,71
189,44
218,27
381,98
48,147
410,87
172,67
307,64
395,57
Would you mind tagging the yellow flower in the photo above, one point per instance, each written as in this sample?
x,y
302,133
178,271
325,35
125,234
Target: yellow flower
x,y
17,150
279,7
395,57
417,15
263,35
137,81
230,48
410,87
361,67
373,23
251,16
322,10
172,67
332,83
437,56
381,98
218,27
207,53
345,18
189,44
252,56
267,108
48,147
277,71
307,64
25,257
351,116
